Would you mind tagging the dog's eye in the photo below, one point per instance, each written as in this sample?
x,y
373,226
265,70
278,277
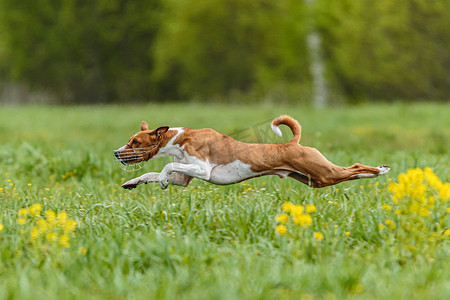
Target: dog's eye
x,y
134,142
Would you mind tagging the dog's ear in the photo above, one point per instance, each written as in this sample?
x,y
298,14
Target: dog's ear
x,y
161,130
144,126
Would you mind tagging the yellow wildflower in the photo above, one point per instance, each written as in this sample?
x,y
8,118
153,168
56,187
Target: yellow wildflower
x,y
432,179
35,210
447,232
444,191
386,207
51,236
1,227
415,184
303,220
69,226
61,218
281,229
34,233
50,216
82,251
310,208
390,224
21,221
64,241
23,211
287,206
297,210
283,218
318,236
347,233
357,289
42,225
423,211
380,226
306,297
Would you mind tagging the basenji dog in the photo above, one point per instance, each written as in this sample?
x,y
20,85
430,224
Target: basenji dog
x,y
220,159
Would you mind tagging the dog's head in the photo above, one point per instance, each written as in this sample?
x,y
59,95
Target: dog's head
x,y
142,146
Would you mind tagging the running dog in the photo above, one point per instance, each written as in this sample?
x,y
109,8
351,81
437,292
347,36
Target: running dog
x,y
220,159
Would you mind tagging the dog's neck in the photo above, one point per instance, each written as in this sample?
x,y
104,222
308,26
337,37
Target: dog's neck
x,y
167,146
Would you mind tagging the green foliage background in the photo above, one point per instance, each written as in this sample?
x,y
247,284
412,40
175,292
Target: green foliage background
x,y
116,50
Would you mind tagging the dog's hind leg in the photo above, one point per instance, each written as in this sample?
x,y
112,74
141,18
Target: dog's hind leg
x,y
357,171
313,169
175,178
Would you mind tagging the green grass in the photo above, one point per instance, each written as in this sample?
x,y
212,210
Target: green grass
x,y
218,242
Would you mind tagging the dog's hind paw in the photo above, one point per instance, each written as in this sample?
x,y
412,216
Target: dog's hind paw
x,y
383,170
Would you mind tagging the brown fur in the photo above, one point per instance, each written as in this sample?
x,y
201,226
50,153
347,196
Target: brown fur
x,y
304,164
320,172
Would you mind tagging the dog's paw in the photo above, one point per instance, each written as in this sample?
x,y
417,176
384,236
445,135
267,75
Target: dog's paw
x,y
383,170
131,184
163,181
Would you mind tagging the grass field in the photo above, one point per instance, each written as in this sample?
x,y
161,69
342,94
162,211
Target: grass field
x,y
68,230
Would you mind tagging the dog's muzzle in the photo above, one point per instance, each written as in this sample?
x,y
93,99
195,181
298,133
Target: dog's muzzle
x,y
128,159
125,161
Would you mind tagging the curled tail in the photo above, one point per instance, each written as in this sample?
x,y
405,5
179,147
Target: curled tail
x,y
291,123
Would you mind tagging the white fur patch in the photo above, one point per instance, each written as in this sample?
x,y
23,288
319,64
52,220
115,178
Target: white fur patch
x,y
170,149
231,173
383,170
366,175
276,130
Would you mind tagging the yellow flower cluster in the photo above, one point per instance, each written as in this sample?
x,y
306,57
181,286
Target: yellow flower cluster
x,y
49,227
69,174
298,214
418,219
417,191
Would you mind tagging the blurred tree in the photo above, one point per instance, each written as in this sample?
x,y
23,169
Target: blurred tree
x,y
209,48
119,50
317,65
214,48
81,50
388,49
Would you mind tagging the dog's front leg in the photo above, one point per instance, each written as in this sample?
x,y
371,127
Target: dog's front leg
x,y
146,178
175,178
192,170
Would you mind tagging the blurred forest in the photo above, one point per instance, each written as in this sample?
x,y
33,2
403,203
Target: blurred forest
x,y
110,51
